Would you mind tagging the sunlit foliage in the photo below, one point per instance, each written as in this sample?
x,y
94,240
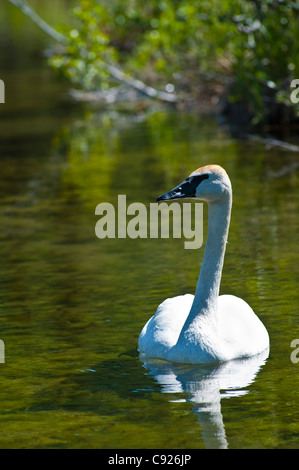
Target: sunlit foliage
x,y
252,46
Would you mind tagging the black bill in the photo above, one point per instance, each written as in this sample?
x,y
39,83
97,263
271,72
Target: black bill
x,y
186,189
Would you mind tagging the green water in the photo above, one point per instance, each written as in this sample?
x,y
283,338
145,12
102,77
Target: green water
x,y
72,305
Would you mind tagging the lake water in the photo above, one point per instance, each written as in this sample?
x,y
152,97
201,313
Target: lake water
x,y
72,305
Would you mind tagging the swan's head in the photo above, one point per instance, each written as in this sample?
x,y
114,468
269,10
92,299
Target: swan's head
x,y
209,183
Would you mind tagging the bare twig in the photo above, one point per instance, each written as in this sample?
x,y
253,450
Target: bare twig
x,y
269,142
119,75
284,171
28,11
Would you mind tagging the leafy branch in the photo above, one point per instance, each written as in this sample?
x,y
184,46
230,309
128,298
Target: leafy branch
x,y
87,58
204,50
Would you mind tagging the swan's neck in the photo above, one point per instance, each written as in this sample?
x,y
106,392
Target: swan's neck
x,y
208,285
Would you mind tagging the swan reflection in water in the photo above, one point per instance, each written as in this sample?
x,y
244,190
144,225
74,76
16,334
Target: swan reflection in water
x,y
205,385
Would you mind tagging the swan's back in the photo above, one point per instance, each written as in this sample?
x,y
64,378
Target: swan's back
x,y
162,330
240,330
236,333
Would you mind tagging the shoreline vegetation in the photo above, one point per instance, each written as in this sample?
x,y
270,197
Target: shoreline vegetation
x,y
235,59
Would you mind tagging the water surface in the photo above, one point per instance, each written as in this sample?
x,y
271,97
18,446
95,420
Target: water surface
x,y
72,305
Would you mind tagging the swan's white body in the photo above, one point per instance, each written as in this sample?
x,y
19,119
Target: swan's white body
x,y
205,327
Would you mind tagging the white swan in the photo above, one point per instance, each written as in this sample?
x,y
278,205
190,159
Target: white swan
x,y
205,327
